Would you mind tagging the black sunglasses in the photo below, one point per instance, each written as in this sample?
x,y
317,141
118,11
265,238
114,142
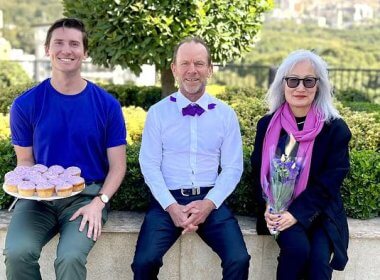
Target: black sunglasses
x,y
308,82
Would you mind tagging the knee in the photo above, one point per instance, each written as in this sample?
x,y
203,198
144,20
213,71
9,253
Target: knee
x,y
300,253
145,262
18,253
240,261
319,261
70,259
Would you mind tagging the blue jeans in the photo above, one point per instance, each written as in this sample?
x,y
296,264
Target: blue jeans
x,y
220,231
34,223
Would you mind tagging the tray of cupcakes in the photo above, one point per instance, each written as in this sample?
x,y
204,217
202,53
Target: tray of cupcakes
x,y
40,182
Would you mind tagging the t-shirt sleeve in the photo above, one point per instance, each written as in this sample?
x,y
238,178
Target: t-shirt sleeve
x,y
21,127
116,131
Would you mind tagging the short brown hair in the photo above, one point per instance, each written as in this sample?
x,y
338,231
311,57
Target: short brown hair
x,y
68,23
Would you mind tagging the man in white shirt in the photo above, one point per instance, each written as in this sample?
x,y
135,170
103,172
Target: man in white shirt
x,y
188,137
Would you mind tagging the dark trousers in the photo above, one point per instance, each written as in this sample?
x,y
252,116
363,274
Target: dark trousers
x,y
220,231
304,254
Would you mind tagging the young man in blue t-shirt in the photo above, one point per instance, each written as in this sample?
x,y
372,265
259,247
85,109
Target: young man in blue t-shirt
x,y
69,121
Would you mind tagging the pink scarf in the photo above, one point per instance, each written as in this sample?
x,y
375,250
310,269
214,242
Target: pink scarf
x,y
284,118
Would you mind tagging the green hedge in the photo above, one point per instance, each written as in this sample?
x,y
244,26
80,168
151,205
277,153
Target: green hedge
x,y
9,93
352,95
365,107
361,192
7,162
128,95
131,95
12,74
133,193
361,188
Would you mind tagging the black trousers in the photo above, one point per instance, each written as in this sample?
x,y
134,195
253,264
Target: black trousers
x,y
304,254
220,231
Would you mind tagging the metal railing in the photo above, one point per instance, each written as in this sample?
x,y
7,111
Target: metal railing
x,y
365,81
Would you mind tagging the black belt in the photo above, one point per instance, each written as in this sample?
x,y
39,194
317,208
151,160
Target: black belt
x,y
191,191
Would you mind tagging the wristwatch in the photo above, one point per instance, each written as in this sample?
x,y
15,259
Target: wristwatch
x,y
103,197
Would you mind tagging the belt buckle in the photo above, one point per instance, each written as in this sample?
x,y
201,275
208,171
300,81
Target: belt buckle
x,y
196,191
183,192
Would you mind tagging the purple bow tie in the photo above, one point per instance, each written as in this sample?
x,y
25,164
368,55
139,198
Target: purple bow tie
x,y
192,110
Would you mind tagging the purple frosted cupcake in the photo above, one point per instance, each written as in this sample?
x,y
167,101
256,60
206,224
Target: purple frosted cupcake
x,y
40,168
57,169
45,189
30,175
73,171
50,175
26,188
11,184
65,189
22,169
77,182
11,174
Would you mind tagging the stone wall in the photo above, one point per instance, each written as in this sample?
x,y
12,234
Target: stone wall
x,y
191,259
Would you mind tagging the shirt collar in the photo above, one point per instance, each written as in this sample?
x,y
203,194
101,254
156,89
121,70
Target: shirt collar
x,y
182,101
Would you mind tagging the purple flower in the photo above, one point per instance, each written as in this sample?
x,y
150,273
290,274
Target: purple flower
x,y
284,172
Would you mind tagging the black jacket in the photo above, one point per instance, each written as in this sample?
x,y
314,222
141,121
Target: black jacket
x,y
321,198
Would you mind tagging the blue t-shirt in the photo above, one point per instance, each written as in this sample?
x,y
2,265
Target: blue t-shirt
x,y
69,129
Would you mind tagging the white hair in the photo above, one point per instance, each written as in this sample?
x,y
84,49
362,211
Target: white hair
x,y
275,96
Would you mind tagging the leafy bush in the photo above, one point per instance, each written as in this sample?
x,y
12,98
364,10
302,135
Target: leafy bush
x,y
361,188
135,120
249,110
351,95
249,106
242,199
133,193
12,74
364,127
4,127
131,95
148,96
8,94
215,90
128,95
365,107
7,162
233,93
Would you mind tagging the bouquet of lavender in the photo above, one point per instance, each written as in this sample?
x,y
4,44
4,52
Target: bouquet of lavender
x,y
284,172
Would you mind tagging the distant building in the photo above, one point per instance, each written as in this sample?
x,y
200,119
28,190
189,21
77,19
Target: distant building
x,y
326,13
27,61
5,46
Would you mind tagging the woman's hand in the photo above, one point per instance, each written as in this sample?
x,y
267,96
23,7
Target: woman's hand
x,y
286,221
278,221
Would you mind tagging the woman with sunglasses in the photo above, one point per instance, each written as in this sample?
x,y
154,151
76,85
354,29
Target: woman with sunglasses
x,y
313,231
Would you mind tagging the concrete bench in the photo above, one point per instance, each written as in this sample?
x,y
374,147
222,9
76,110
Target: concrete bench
x,y
190,258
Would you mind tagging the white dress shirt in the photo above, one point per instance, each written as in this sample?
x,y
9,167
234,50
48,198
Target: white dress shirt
x,y
186,151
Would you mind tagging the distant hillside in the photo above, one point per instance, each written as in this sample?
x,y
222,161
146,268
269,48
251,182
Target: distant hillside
x,y
357,47
20,15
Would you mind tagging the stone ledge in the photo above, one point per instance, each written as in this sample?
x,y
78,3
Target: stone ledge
x,y
130,222
190,258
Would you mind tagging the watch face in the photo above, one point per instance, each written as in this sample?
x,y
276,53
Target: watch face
x,y
104,198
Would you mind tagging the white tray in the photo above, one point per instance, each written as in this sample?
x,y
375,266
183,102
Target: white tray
x,y
36,197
